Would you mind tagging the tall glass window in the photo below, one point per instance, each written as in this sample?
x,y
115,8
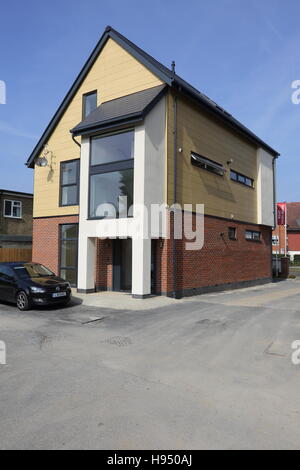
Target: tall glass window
x,y
111,175
68,252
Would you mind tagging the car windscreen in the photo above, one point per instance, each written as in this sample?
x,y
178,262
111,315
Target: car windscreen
x,y
32,270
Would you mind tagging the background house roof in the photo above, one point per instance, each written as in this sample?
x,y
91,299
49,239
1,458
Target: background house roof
x,y
131,108
293,215
165,74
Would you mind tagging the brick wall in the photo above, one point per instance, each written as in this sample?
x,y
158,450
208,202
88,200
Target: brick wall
x,y
294,241
280,232
104,264
220,261
45,248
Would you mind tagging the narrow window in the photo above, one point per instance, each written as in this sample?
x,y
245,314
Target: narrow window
x,y
232,233
13,209
207,164
89,103
69,183
253,235
239,178
68,252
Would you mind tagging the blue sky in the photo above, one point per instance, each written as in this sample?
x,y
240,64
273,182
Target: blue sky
x,y
243,54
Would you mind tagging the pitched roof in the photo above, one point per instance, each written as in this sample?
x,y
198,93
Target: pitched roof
x,y
165,74
293,215
130,109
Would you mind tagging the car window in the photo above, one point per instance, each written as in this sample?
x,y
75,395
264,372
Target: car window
x,y
32,270
6,272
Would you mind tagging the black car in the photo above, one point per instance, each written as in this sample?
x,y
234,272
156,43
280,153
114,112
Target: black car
x,y
28,284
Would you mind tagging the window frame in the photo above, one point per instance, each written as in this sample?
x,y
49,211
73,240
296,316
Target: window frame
x,y
60,240
238,174
94,92
108,167
252,239
235,233
207,164
77,184
13,201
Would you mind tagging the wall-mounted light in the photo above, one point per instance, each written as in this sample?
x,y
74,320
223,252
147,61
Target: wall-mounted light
x,y
43,161
230,161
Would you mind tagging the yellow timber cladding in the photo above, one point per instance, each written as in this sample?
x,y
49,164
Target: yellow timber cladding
x,y
202,133
115,73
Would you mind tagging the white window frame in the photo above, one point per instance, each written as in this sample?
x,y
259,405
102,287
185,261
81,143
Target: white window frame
x,y
13,204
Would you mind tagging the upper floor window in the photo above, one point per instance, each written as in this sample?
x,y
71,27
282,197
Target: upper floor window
x,y
69,183
207,164
232,233
111,175
239,178
252,235
112,148
89,103
13,209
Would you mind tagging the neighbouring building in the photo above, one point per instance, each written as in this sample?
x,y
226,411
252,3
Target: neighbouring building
x,y
15,219
289,236
130,126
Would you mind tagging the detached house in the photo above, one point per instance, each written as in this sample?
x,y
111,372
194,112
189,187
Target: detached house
x,y
131,127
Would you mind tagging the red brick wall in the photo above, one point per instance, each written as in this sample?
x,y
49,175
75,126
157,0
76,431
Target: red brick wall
x,y
294,241
104,264
45,248
280,232
220,261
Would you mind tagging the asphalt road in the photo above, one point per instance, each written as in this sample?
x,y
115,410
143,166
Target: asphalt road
x,y
212,371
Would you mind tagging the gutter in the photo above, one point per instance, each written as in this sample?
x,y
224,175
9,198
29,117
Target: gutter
x,y
274,191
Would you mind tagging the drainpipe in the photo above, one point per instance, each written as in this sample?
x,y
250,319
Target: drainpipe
x,y
275,213
74,140
174,195
274,190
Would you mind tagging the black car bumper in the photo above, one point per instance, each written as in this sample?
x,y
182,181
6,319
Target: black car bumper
x,y
48,299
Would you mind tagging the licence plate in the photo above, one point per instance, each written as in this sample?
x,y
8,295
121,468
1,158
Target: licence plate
x,y
59,294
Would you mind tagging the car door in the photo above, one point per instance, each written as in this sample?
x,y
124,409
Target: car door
x,y
7,284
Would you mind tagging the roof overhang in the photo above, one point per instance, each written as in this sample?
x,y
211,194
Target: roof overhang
x,y
162,72
127,110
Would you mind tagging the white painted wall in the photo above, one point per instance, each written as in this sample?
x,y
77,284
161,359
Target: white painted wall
x,y
265,193
149,179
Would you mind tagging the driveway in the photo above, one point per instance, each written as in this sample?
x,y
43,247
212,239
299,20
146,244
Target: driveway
x,y
212,371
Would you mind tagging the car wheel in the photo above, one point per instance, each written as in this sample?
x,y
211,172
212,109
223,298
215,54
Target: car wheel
x,y
23,302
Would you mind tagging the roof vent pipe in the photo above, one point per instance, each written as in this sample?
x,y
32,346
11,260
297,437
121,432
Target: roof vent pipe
x,y
173,67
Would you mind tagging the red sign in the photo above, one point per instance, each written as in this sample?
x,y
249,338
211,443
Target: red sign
x,y
281,213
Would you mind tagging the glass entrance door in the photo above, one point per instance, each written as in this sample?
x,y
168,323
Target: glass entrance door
x,y
122,272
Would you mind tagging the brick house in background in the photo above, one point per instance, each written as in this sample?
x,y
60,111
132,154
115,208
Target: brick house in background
x,y
292,232
130,126
16,210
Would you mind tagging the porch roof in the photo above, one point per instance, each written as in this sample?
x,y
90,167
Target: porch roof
x,y
128,109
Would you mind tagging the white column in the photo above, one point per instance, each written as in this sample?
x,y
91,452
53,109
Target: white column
x,y
86,264
87,244
141,244
141,267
